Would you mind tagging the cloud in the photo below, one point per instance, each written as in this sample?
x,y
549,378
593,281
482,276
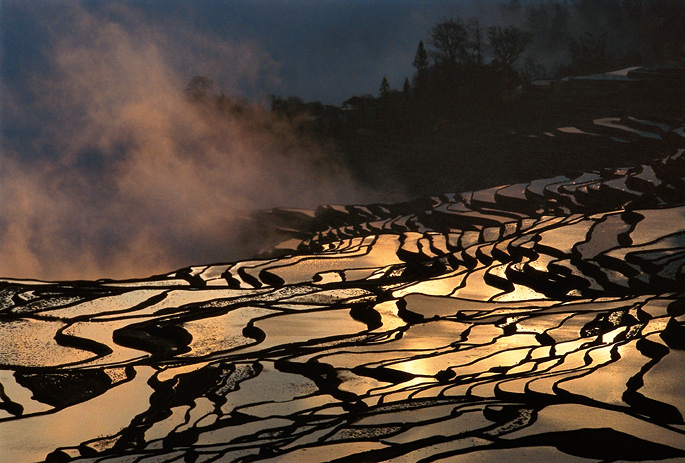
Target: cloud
x,y
112,172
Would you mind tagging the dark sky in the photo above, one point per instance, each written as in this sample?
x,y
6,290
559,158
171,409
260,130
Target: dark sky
x,y
321,50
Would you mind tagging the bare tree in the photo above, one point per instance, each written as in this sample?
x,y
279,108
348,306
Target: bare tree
x,y
508,43
450,42
476,39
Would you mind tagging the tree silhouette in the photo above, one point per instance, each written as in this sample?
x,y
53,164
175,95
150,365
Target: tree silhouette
x,y
589,53
450,42
420,59
508,43
384,89
476,40
199,88
421,65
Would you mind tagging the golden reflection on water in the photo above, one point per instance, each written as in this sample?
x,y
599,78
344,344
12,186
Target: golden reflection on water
x,y
35,436
300,337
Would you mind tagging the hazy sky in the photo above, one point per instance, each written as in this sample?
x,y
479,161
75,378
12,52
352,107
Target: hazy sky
x,y
107,170
321,50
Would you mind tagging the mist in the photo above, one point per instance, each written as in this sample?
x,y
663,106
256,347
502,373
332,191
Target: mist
x,y
109,170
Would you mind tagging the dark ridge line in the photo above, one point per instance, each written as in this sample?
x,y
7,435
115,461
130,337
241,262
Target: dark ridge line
x,y
161,340
7,404
585,443
22,377
78,342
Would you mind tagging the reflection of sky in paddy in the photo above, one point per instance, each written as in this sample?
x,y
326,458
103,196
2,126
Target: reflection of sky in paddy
x,y
32,438
31,343
216,334
561,417
372,252
658,223
472,315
